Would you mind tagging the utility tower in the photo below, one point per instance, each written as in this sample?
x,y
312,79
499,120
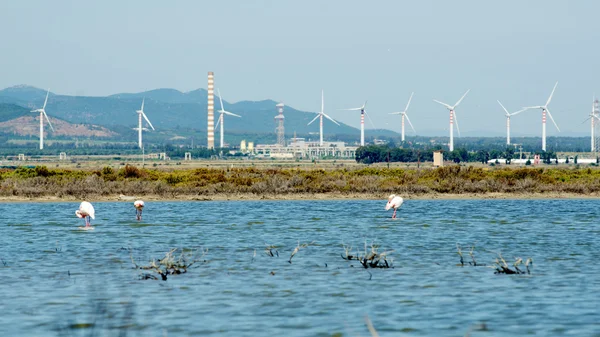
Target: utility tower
x,y
280,130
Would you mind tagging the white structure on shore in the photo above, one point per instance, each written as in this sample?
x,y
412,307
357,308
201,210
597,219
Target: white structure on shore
x,y
300,148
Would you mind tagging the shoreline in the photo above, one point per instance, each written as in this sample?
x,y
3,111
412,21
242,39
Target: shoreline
x,y
307,196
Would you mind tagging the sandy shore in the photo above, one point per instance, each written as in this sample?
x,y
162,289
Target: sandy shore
x,y
307,196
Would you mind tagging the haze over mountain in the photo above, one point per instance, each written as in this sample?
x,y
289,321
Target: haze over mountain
x,y
170,109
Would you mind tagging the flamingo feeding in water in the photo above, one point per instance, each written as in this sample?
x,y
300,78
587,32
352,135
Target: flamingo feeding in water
x,y
86,211
139,206
394,202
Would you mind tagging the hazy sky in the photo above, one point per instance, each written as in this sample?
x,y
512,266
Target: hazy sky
x,y
513,51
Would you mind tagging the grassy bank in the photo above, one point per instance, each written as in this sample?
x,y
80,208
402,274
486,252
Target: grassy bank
x,y
41,183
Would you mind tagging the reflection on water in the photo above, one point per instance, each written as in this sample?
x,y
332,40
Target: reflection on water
x,y
57,280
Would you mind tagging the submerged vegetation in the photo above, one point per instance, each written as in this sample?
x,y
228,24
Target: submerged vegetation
x,y
205,183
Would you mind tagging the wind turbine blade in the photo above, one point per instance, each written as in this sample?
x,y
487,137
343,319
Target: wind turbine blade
x,y
314,119
220,100
460,100
409,123
442,103
147,120
364,105
550,98
46,101
230,113
143,100
322,102
407,104
518,112
331,119
456,122
587,119
508,114
353,109
395,113
533,107
48,120
550,115
370,120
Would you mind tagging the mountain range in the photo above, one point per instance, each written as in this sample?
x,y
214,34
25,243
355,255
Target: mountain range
x,y
167,109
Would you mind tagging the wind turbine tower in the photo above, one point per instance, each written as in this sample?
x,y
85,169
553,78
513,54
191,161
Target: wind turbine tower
x,y
363,112
139,129
453,118
405,115
221,119
42,112
279,119
211,110
508,115
595,118
544,111
320,116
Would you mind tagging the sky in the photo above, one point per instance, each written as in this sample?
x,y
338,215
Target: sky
x,y
513,51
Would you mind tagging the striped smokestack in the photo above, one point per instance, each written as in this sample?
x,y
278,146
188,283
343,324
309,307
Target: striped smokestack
x,y
211,110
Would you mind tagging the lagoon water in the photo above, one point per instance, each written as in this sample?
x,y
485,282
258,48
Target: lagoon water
x,y
60,281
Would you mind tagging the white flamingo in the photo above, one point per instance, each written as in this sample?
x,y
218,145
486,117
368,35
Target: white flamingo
x,y
139,206
394,202
86,211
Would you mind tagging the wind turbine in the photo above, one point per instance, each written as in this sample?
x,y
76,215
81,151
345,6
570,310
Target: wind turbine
x,y
363,112
141,114
544,110
221,117
453,118
508,115
42,112
320,115
404,114
593,115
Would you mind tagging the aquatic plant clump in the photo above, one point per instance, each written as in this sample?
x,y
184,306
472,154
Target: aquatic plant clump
x,y
170,264
369,259
500,265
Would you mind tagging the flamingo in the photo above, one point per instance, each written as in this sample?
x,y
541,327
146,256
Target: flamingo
x,y
86,211
139,206
394,202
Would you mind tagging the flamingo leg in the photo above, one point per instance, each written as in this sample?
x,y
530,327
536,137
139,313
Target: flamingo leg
x,y
394,215
87,221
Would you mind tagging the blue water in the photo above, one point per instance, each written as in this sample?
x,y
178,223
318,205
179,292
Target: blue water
x,y
60,281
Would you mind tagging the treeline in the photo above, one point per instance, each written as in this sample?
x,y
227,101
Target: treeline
x,y
386,153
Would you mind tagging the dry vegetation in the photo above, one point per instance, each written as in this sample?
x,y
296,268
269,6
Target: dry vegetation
x,y
250,182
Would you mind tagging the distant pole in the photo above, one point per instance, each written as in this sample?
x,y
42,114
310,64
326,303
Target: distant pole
x,y
143,162
388,158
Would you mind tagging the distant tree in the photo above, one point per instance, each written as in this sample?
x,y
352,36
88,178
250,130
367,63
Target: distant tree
x,y
575,159
567,160
509,154
528,162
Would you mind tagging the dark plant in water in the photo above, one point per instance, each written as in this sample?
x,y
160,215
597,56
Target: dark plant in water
x,y
170,264
473,262
502,267
369,259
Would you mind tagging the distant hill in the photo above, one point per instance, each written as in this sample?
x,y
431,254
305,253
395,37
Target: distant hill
x,y
170,109
11,111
